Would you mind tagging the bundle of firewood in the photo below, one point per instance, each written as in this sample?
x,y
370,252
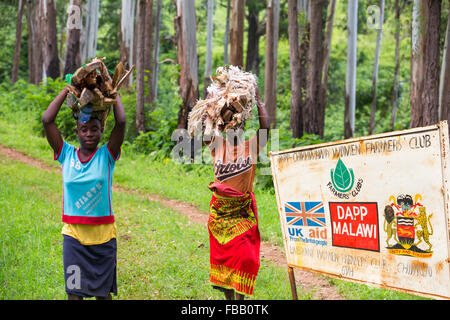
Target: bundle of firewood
x,y
230,99
92,88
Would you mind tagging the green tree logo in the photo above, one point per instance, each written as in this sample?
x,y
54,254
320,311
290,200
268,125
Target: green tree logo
x,y
341,177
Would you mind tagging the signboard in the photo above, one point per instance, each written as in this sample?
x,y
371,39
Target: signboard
x,y
373,210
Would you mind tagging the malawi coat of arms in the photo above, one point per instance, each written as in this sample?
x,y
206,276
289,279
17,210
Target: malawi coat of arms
x,y
407,225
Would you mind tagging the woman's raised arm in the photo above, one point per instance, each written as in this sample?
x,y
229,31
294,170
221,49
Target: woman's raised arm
x,y
48,120
118,132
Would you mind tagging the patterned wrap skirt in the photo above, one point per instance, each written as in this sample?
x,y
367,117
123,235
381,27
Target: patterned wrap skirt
x,y
234,242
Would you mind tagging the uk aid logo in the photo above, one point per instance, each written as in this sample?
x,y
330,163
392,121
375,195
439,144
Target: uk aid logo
x,y
306,221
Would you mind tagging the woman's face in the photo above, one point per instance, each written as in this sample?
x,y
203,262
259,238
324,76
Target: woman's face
x,y
89,133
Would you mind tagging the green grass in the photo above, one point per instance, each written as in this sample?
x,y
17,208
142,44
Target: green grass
x,y
189,183
138,171
164,256
30,233
160,254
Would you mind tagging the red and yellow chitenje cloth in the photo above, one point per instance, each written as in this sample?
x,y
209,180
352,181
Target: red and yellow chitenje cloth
x,y
234,239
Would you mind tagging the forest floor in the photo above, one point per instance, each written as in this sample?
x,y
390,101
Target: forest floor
x,y
318,287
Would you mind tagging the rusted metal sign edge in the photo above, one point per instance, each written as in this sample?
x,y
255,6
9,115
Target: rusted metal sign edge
x,y
445,143
353,140
373,284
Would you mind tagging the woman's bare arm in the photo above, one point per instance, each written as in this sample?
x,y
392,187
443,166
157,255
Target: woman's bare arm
x,y
118,132
48,120
264,122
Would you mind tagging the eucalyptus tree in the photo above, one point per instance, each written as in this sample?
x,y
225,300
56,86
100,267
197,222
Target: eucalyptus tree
x,y
350,87
185,35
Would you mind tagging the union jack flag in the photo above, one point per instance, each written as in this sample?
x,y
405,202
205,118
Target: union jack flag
x,y
306,214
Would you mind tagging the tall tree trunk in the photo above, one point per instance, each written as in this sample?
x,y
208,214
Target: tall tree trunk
x,y
38,38
425,64
270,88
237,33
397,66
148,49
227,34
298,63
140,67
73,58
41,37
254,33
50,40
209,36
311,113
416,119
89,45
30,28
62,38
187,58
251,61
127,16
326,65
156,49
430,92
143,61
445,78
375,70
35,59
350,88
295,66
15,69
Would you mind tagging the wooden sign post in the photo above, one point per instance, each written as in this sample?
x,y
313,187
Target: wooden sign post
x,y
373,210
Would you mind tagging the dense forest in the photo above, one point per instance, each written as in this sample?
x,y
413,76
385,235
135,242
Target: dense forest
x,y
327,69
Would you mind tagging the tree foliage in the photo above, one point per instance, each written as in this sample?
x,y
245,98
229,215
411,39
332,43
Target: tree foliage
x,y
161,116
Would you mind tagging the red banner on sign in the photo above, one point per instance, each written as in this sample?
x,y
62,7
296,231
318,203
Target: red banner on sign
x,y
355,225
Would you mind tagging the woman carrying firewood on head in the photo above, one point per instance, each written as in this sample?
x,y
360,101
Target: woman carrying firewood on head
x,y
89,231
233,220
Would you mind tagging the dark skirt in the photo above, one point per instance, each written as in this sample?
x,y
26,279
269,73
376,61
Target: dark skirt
x,y
90,271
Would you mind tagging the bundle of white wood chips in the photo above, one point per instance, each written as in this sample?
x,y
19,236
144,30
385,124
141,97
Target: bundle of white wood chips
x,y
91,87
230,99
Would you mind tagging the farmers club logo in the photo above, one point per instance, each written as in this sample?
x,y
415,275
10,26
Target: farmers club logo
x,y
343,181
342,178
